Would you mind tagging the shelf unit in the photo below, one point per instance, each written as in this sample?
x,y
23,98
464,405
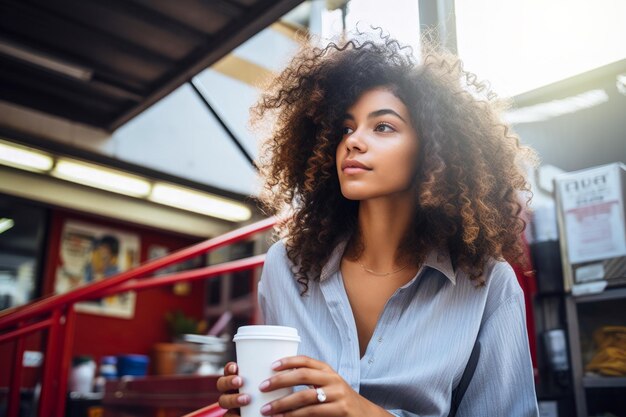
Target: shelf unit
x,y
591,205
604,382
582,383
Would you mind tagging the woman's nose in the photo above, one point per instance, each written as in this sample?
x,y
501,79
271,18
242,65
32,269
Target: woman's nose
x,y
355,141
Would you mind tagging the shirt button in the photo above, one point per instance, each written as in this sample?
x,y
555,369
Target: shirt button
x,y
380,339
371,361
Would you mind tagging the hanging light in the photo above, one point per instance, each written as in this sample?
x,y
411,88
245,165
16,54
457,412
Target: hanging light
x,y
24,158
199,202
101,177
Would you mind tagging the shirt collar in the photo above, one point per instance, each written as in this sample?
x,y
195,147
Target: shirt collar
x,y
438,259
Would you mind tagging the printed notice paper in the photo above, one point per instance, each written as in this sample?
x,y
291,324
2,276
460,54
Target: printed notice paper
x,y
593,214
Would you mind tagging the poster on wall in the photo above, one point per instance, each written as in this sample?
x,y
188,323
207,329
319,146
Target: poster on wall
x,y
592,204
90,253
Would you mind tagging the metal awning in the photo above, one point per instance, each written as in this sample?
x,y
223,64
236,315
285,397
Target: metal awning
x,y
102,62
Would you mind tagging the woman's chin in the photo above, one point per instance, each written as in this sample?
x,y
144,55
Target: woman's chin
x,y
354,196
358,195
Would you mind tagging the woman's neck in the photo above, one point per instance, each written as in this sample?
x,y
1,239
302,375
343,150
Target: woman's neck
x,y
383,224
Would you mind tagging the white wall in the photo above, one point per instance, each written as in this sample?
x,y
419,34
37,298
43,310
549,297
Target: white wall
x,y
179,136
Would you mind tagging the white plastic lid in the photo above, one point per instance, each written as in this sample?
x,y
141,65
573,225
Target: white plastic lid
x,y
267,332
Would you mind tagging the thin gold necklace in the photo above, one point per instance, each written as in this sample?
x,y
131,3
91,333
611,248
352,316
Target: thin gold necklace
x,y
380,274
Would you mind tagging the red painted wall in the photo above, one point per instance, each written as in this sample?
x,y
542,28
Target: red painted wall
x,y
99,335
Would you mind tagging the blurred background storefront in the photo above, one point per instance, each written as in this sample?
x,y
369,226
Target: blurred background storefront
x,y
124,137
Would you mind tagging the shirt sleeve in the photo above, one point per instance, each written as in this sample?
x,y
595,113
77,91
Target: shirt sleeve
x,y
270,277
503,384
265,300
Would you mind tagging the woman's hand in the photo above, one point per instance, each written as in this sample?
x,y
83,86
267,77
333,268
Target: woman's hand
x,y
341,399
228,386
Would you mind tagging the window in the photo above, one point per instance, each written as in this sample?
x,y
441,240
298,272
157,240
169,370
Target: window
x,y
22,234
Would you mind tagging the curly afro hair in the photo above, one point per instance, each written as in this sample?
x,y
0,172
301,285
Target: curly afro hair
x,y
471,167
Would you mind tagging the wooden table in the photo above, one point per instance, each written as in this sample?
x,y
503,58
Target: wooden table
x,y
159,396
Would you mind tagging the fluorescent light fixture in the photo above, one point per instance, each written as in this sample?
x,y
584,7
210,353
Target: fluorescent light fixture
x,y
199,202
101,177
45,61
555,108
24,158
6,224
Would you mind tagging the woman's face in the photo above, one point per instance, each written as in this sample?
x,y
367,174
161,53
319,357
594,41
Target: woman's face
x,y
377,155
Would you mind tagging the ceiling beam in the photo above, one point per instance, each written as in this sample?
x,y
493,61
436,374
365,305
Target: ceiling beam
x,y
257,18
154,18
226,8
44,20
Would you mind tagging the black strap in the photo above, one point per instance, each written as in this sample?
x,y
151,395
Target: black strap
x,y
466,378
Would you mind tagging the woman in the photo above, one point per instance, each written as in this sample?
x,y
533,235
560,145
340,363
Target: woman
x,y
405,188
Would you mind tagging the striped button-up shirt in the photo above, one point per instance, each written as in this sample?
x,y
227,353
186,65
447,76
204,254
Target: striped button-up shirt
x,y
422,340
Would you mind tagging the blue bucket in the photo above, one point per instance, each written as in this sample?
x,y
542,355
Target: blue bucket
x,y
132,365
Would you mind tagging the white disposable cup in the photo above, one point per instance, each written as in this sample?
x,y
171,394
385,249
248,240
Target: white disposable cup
x,y
257,348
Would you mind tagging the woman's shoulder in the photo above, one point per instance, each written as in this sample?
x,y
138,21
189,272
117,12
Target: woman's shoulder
x,y
278,271
500,276
502,284
276,259
499,279
277,253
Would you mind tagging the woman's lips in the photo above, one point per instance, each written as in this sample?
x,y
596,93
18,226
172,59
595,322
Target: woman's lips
x,y
353,166
354,170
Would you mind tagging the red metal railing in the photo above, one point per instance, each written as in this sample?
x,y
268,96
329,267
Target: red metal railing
x,y
56,315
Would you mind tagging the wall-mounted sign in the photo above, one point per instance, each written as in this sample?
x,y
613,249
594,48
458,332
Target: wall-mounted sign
x,y
592,206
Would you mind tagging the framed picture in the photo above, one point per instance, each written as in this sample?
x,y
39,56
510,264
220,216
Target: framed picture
x,y
90,253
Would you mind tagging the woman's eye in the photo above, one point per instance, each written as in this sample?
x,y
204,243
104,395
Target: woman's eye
x,y
346,130
384,127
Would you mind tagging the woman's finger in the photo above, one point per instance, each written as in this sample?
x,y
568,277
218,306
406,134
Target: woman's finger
x,y
231,401
300,361
298,399
231,368
229,383
300,376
